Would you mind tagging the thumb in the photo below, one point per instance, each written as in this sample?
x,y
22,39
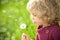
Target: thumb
x,y
24,36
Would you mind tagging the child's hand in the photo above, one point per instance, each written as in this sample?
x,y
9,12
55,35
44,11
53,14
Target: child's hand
x,y
25,37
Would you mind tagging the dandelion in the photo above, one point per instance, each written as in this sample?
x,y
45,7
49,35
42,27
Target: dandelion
x,y
23,26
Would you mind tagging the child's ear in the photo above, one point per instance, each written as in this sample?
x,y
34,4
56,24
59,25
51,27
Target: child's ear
x,y
45,17
49,18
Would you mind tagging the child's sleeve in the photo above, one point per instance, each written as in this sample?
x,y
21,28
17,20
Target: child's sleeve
x,y
56,35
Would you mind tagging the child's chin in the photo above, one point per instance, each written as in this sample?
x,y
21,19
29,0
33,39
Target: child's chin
x,y
38,24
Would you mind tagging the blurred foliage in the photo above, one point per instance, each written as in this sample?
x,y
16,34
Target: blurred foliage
x,y
3,35
13,13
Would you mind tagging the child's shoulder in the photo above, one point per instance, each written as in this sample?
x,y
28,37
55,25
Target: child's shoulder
x,y
55,32
55,27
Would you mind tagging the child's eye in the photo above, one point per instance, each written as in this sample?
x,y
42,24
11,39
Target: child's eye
x,y
34,14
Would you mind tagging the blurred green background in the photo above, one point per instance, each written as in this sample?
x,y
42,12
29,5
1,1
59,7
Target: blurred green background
x,y
13,14
15,20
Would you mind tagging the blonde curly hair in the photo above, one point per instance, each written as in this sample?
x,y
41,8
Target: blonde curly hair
x,y
48,8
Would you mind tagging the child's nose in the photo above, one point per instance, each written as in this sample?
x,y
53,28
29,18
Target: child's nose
x,y
34,19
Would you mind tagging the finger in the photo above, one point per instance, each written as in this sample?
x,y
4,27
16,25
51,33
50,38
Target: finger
x,y
24,36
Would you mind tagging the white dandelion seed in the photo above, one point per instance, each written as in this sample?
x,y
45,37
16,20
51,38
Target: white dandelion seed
x,y
23,26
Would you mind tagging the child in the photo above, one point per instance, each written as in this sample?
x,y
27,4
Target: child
x,y
46,14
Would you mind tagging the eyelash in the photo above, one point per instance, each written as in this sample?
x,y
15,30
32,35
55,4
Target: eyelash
x,y
35,15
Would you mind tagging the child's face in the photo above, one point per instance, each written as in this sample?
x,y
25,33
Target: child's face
x,y
37,20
